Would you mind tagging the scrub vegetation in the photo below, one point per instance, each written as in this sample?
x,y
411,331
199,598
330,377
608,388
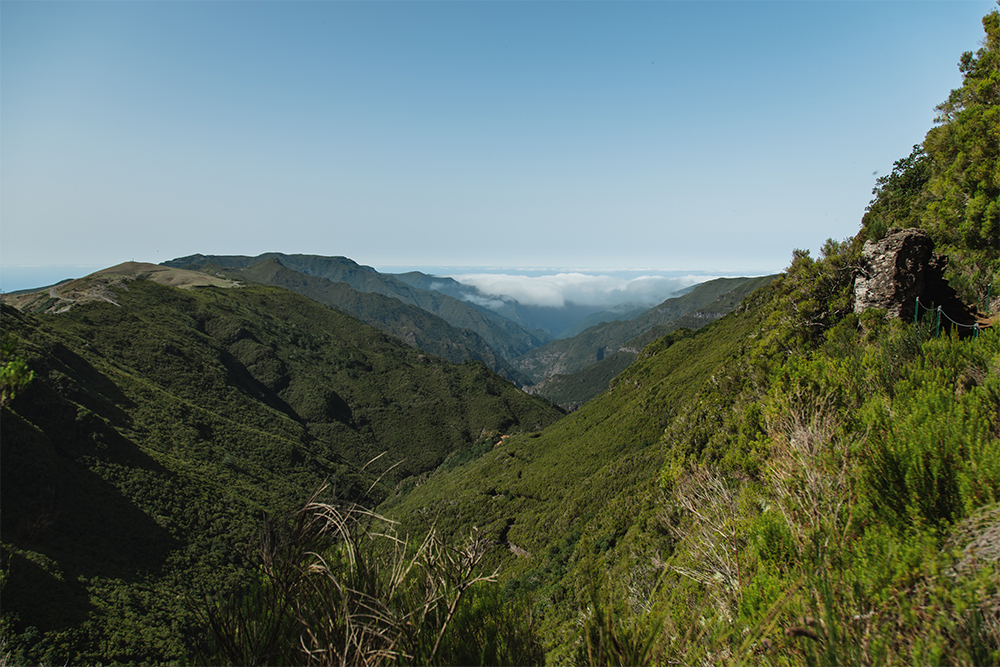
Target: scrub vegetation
x,y
159,430
794,483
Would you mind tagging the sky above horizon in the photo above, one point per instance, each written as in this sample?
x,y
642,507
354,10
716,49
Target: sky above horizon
x,y
656,137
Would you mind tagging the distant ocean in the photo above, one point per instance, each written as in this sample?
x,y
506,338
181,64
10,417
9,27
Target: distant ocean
x,y
16,278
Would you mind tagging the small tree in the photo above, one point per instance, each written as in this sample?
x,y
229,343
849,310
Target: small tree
x,y
14,373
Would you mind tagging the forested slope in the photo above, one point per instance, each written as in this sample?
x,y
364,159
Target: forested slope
x,y
409,323
795,483
507,338
159,430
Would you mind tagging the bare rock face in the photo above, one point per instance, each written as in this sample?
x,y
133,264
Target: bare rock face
x,y
897,270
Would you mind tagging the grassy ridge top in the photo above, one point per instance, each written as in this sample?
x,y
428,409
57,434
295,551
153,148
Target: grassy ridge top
x,y
94,287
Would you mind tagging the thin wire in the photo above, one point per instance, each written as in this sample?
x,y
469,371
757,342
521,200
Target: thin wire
x,y
967,326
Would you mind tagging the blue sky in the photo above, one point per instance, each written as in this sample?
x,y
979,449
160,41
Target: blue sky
x,y
704,137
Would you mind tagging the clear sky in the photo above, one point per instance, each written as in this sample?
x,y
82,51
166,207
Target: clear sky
x,y
659,136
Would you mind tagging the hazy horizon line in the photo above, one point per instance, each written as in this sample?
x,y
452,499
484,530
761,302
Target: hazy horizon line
x,y
18,277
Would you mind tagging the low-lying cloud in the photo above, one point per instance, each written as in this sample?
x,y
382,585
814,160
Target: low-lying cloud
x,y
559,289
484,301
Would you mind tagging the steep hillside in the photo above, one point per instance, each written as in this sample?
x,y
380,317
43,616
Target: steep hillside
x,y
621,313
507,338
548,322
411,324
540,494
551,480
794,483
163,423
705,303
742,471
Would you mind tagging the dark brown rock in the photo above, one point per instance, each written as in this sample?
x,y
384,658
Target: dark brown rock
x,y
893,272
901,268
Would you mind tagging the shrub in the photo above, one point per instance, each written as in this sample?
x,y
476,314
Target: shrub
x,y
337,585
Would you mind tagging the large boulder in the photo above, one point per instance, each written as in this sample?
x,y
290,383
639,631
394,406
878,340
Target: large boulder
x,y
899,269
894,272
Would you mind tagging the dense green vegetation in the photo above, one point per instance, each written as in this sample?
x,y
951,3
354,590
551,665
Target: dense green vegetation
x,y
409,323
338,585
507,338
704,303
793,483
138,463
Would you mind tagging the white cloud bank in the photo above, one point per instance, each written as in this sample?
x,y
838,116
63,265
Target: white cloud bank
x,y
579,288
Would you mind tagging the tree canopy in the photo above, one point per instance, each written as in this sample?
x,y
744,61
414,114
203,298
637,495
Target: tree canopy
x,y
964,151
949,185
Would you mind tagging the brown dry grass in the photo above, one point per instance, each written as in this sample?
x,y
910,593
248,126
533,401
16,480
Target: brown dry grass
x,y
97,286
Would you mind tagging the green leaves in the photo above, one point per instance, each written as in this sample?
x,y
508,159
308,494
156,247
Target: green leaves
x,y
14,373
933,454
950,184
898,196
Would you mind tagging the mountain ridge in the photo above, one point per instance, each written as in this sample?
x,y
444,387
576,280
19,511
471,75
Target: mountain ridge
x,y
416,326
570,355
508,341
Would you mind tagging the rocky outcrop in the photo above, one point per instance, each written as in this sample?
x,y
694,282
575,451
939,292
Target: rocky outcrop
x,y
894,272
901,268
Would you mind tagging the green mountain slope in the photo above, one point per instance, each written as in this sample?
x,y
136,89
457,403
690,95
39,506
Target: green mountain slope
x,y
540,493
794,483
619,314
693,484
507,338
411,324
711,300
163,423
547,472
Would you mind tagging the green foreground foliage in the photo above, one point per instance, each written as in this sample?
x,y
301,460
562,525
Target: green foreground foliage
x,y
337,585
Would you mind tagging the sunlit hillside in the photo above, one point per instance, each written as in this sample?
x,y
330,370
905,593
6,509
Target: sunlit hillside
x,y
238,474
